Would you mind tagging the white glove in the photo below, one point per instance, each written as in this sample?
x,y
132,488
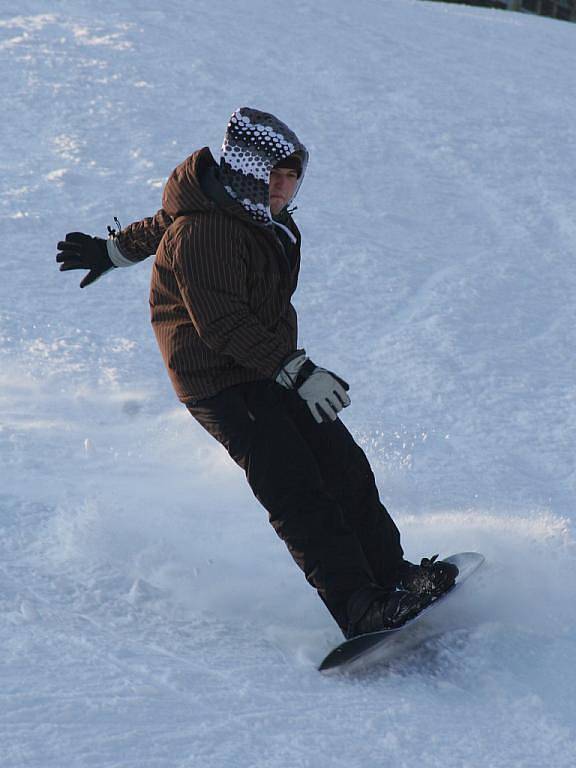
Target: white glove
x,y
323,391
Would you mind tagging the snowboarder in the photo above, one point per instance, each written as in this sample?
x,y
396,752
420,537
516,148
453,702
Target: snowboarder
x,y
226,266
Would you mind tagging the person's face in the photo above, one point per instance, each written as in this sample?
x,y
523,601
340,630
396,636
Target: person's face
x,y
282,185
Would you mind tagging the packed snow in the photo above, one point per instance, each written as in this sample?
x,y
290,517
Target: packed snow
x,y
149,616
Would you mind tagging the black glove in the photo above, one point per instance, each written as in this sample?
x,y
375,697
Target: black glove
x,y
80,251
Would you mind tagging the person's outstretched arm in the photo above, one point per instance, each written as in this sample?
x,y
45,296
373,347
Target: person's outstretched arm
x,y
129,246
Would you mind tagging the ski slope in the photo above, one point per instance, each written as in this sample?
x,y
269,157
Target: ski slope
x,y
149,617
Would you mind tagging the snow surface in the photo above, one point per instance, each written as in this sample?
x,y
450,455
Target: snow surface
x,y
149,617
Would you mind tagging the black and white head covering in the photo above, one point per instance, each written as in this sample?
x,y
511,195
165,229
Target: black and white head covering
x,y
253,144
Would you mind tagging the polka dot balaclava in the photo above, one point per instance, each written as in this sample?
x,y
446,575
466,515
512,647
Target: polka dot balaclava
x,y
254,142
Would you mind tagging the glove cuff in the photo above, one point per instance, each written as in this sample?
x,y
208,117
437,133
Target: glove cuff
x,y
288,371
306,370
115,254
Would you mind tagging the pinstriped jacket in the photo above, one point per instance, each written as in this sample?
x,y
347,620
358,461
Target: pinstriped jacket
x,y
221,288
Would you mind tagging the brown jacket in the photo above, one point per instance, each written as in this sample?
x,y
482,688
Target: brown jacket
x,y
221,286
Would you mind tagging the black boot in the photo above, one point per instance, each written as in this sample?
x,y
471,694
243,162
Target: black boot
x,y
389,611
431,577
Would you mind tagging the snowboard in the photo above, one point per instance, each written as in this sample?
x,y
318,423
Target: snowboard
x,y
363,650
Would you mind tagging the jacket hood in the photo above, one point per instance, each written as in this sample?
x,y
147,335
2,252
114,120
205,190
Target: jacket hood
x,y
183,193
253,143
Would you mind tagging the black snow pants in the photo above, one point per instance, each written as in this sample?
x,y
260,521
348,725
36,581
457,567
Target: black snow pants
x,y
317,486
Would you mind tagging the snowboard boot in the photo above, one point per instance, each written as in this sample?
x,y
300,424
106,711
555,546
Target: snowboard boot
x,y
388,611
431,577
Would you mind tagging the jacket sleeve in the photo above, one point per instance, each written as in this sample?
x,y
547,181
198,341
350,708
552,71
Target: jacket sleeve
x,y
141,239
212,277
290,325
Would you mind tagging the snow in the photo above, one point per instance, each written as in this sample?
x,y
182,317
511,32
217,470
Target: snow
x,y
149,617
